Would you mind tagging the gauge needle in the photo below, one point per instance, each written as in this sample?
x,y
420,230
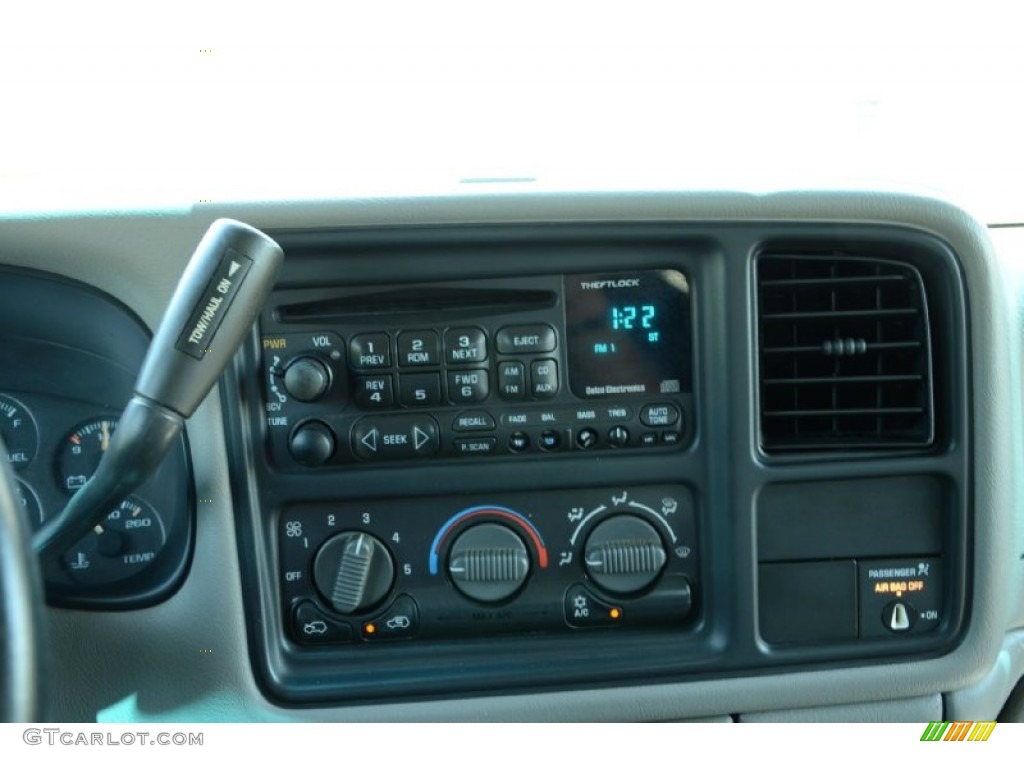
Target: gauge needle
x,y
99,529
104,435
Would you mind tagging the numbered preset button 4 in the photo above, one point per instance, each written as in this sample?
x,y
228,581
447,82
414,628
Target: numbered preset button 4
x,y
374,391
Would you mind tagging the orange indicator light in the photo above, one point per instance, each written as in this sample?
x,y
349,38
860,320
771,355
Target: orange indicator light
x,y
615,613
369,628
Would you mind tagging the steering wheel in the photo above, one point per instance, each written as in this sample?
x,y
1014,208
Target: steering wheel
x,y
21,605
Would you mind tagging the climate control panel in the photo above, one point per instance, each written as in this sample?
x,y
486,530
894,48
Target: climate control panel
x,y
438,567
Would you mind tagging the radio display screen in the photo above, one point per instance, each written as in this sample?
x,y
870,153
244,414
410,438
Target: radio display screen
x,y
628,333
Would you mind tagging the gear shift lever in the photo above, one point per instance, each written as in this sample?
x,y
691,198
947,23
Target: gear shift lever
x,y
215,304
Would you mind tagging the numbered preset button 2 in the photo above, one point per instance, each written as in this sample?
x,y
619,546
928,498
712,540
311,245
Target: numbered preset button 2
x,y
418,348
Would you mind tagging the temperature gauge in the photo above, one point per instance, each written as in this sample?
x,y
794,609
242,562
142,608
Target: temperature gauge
x,y
81,451
127,541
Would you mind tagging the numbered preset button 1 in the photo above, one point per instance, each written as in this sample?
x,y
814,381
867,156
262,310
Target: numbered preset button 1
x,y
370,350
465,345
418,348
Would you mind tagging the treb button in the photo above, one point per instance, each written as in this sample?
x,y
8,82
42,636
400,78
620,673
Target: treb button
x,y
526,339
395,437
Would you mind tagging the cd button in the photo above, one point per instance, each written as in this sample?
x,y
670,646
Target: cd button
x,y
544,378
525,339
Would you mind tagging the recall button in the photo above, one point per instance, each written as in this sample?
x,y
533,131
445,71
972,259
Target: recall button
x,y
526,339
659,415
473,421
395,437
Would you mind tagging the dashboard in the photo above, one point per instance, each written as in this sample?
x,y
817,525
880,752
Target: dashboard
x,y
542,456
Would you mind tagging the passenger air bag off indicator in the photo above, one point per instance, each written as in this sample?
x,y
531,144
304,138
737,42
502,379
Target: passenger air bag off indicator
x,y
900,597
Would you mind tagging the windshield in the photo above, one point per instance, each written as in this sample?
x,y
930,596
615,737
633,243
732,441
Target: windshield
x,y
118,107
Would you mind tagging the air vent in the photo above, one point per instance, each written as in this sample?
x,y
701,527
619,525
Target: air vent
x,y
844,352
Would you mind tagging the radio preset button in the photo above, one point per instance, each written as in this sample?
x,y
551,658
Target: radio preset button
x,y
525,339
475,446
370,350
659,415
419,389
512,380
418,348
544,378
469,386
374,392
518,442
395,437
618,437
473,421
465,345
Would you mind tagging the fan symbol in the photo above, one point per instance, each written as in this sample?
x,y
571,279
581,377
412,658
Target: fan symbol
x,y
293,528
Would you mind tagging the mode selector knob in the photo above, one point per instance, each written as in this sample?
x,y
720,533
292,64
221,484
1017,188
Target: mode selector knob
x,y
353,571
307,378
488,563
624,554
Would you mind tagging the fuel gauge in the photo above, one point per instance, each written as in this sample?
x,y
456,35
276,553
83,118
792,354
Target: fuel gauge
x,y
18,429
80,453
120,546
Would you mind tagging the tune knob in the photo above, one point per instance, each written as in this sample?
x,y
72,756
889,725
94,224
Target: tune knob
x,y
488,563
624,554
307,378
353,571
312,443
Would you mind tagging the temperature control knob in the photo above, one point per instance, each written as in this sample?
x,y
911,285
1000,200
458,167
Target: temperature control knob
x,y
353,571
488,563
624,554
307,379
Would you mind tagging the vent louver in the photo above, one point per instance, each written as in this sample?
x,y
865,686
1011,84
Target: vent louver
x,y
845,356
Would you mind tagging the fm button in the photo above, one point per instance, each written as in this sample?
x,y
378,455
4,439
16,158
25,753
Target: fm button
x,y
395,437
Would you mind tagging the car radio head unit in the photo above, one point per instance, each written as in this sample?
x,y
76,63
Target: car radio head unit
x,y
478,368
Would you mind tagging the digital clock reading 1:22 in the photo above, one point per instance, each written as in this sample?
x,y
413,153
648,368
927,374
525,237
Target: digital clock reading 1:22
x,y
628,333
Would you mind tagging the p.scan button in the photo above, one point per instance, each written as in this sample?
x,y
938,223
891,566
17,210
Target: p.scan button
x,y
387,438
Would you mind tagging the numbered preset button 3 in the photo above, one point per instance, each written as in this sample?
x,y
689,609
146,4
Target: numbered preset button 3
x,y
465,345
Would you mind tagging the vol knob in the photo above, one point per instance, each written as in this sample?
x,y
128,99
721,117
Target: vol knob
x,y
307,379
488,563
353,571
624,554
